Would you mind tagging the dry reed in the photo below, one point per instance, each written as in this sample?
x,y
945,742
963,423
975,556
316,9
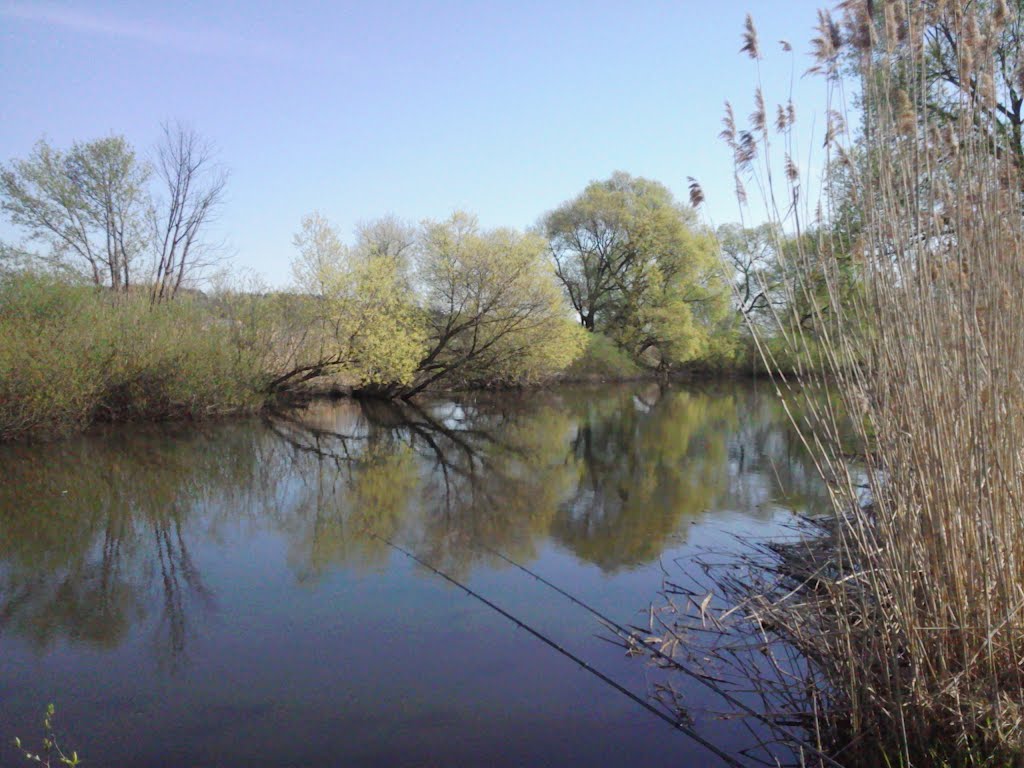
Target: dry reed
x,y
906,613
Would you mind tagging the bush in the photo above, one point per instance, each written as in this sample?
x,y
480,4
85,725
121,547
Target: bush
x,y
602,359
71,354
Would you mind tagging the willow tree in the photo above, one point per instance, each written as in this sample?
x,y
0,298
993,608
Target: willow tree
x,y
454,305
493,312
353,314
635,266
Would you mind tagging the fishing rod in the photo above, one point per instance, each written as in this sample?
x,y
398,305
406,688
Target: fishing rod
x,y
670,660
676,724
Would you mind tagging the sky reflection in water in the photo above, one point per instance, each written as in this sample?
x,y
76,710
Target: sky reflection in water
x,y
220,594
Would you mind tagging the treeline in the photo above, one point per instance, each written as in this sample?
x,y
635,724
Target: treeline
x,y
101,316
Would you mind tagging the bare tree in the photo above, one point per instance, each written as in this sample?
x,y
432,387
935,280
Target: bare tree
x,y
194,181
386,236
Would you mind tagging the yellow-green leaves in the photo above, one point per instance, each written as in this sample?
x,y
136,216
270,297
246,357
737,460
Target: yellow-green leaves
x,y
635,266
70,354
447,306
360,318
386,335
494,311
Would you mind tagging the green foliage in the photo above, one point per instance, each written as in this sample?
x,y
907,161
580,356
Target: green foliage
x,y
92,208
174,360
752,254
451,305
360,317
88,204
635,265
50,753
602,359
52,356
494,313
71,354
389,340
786,289
475,308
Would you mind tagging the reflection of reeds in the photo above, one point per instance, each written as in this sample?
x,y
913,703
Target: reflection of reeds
x,y
900,629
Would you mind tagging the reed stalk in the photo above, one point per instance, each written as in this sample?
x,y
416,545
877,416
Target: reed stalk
x,y
907,612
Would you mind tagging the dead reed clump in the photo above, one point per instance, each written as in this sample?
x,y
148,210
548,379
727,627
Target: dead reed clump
x,y
906,615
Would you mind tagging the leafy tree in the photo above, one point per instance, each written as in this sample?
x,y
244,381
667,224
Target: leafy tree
x,y
752,252
356,314
320,250
92,206
492,310
88,204
635,266
450,305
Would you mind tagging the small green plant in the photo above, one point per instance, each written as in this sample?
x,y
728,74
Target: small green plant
x,y
51,753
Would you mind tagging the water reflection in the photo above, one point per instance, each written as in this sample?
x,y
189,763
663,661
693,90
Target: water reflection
x,y
92,534
97,534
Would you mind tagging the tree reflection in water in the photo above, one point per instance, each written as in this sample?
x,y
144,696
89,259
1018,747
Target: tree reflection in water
x,y
93,535
97,534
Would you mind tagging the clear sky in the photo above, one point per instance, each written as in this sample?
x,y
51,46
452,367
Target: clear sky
x,y
504,108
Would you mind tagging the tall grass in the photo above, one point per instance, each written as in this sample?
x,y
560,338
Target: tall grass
x,y
70,355
908,614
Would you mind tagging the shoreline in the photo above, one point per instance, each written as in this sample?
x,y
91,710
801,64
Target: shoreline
x,y
333,391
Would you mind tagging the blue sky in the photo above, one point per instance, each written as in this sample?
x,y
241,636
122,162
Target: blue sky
x,y
414,108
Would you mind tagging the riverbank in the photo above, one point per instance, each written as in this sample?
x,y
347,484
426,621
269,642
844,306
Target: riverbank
x,y
72,355
791,630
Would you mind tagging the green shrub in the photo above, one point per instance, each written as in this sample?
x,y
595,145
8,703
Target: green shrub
x,y
52,355
602,359
71,354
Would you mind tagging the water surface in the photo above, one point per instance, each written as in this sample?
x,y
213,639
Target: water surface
x,y
221,595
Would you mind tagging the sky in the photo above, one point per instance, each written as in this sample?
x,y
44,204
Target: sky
x,y
358,109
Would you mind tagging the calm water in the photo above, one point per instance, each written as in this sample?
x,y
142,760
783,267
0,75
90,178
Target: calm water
x,y
215,595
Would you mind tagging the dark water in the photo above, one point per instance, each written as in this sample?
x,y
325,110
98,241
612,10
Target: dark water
x,y
215,595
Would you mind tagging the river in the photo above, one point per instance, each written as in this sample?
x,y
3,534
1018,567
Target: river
x,y
235,593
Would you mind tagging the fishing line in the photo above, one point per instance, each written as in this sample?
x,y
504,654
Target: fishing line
x,y
680,726
671,660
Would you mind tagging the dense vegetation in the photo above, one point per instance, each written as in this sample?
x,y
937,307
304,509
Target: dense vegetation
x,y
101,316
922,627
71,354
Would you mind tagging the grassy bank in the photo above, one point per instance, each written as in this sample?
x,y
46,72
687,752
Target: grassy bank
x,y
71,355
601,360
